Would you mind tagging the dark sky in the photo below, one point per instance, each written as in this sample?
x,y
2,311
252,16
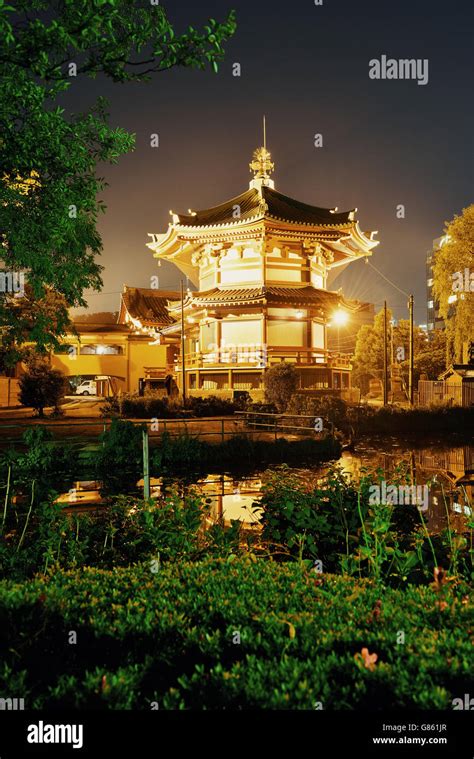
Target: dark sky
x,y
306,67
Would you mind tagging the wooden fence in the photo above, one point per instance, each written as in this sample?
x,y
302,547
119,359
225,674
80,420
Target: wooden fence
x,y
438,391
9,391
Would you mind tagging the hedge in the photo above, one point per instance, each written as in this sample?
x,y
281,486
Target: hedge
x,y
232,634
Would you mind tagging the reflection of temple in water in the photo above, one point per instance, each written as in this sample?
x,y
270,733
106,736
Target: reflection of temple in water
x,y
452,475
232,498
448,472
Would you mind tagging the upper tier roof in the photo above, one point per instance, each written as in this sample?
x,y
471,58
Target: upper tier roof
x,y
279,207
147,306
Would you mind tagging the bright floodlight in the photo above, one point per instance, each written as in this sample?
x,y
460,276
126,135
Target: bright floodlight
x,y
340,318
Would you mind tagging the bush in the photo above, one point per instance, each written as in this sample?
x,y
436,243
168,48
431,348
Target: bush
x,y
328,407
158,407
41,386
281,381
333,521
170,637
393,420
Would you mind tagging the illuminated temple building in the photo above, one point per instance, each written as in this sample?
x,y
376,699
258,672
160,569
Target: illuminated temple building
x,y
261,263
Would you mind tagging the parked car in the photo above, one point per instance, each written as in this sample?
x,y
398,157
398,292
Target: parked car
x,y
88,387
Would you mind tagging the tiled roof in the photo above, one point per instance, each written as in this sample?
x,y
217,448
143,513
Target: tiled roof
x,y
279,207
148,306
273,295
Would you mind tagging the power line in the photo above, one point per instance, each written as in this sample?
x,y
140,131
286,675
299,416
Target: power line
x,y
387,279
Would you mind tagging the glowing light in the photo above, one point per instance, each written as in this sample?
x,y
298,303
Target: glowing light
x,y
340,318
452,299
299,314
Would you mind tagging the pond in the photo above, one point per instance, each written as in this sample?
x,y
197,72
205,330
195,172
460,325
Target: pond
x,y
448,473
443,475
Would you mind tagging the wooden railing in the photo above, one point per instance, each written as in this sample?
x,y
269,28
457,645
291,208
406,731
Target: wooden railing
x,y
260,358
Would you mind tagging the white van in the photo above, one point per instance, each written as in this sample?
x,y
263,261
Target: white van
x,y
88,387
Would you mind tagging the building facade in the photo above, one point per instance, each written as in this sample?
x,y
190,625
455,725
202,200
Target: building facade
x,y
261,263
435,321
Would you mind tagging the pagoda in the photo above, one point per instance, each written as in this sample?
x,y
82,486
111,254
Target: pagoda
x,y
261,263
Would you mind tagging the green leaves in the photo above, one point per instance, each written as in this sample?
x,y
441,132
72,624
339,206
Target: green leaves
x,y
51,232
170,638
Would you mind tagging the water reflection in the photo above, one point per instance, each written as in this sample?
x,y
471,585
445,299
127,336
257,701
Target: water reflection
x,y
448,472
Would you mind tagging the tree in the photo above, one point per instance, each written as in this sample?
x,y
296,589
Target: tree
x,y
432,360
368,355
33,324
41,386
49,186
451,287
281,382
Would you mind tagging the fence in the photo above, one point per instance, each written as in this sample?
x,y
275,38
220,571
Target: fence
x,y
439,391
214,429
9,392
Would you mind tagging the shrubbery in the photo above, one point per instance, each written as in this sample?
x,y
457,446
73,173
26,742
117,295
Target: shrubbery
x,y
41,386
393,420
159,407
230,634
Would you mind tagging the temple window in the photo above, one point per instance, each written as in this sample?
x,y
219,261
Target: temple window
x,y
101,350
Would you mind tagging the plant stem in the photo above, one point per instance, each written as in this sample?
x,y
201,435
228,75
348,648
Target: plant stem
x,y
7,494
27,516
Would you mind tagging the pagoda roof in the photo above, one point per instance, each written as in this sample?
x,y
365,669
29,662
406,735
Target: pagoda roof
x,y
291,296
147,306
273,204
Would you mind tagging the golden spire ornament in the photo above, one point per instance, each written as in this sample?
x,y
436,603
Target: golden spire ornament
x,y
262,164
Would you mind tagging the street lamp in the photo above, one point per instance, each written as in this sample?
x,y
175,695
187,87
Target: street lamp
x,y
340,319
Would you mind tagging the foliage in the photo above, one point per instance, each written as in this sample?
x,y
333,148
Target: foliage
x,y
119,460
231,634
394,420
49,187
368,356
331,409
167,528
41,386
452,258
281,381
432,360
333,521
163,407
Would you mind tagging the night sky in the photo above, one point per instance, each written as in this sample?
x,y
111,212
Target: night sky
x,y
306,67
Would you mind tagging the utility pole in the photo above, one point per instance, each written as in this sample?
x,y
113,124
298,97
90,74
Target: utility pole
x,y
385,349
412,353
183,345
146,464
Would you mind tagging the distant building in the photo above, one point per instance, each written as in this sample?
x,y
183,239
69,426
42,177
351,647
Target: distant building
x,y
131,352
435,321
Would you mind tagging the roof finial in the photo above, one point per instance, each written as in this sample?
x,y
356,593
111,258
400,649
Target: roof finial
x,y
262,164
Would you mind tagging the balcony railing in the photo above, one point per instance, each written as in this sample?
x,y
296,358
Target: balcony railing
x,y
261,357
